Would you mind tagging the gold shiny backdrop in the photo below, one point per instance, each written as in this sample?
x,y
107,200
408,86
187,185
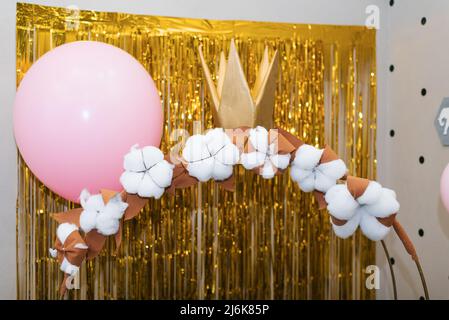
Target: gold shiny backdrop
x,y
267,240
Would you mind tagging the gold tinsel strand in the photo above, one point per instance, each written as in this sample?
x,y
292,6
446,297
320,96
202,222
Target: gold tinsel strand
x,y
265,241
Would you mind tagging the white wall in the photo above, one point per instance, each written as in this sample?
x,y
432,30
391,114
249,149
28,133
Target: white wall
x,y
340,12
421,60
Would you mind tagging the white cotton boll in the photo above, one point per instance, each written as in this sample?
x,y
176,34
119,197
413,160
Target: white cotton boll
x,y
195,148
297,174
88,219
84,196
307,184
389,192
115,208
162,173
371,194
133,160
64,230
323,182
216,139
384,206
258,138
335,190
151,156
53,252
280,161
304,178
156,193
68,268
130,181
72,269
252,160
214,146
64,264
307,157
107,225
268,171
202,170
340,202
148,188
229,154
94,202
91,206
108,220
335,169
372,228
221,171
348,229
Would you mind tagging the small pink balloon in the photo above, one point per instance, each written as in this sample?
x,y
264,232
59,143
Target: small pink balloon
x,y
77,112
444,187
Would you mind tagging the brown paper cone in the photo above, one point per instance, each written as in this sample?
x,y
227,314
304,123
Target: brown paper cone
x,y
356,186
95,241
71,216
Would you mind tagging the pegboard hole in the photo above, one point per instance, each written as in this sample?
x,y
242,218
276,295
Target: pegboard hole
x,y
423,20
421,232
391,68
391,3
392,133
421,159
392,261
423,91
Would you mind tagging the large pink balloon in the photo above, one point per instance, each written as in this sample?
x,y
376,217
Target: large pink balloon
x,y
78,110
444,187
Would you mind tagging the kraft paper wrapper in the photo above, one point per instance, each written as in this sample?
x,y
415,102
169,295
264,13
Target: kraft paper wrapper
x,y
356,186
228,184
71,216
135,204
95,241
408,244
181,178
285,146
338,222
68,250
319,197
292,139
387,221
328,155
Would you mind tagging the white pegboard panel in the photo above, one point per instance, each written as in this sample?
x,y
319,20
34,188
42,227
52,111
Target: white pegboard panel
x,y
413,159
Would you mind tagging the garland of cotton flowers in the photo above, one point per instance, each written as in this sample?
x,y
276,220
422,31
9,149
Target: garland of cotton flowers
x,y
352,202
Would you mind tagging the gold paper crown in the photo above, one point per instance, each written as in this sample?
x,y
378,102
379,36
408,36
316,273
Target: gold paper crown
x,y
235,105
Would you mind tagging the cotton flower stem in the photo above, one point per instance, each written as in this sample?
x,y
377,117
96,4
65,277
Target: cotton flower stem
x,y
423,279
410,248
393,278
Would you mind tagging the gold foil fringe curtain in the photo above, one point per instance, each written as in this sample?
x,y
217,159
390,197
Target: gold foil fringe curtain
x,y
265,241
